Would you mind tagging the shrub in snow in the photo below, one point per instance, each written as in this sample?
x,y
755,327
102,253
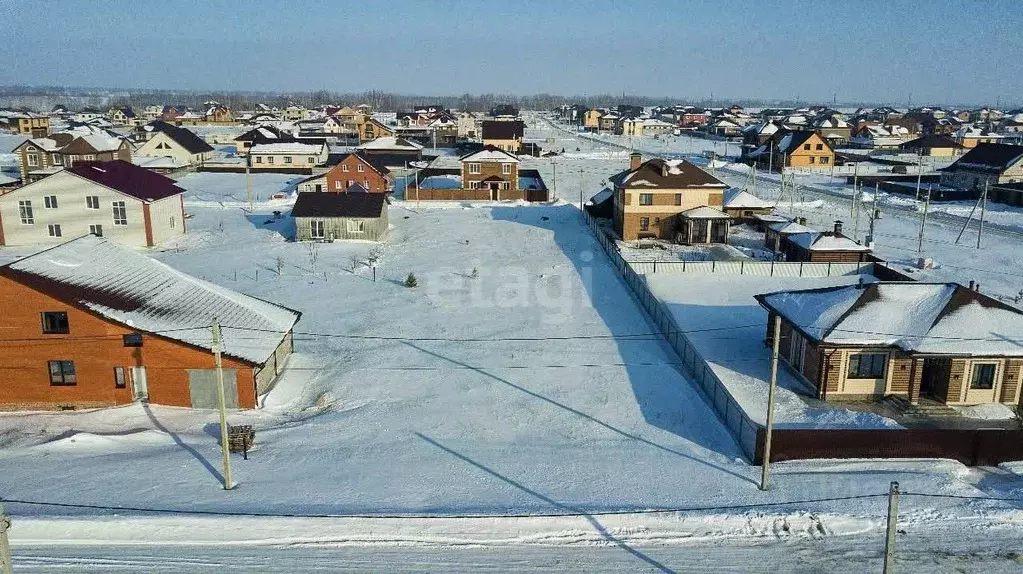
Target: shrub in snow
x,y
411,281
475,273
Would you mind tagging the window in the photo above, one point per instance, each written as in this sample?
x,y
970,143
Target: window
x,y
92,201
344,168
25,208
678,199
270,159
120,213
132,339
311,160
96,229
825,160
119,381
259,159
57,160
644,223
316,229
474,185
337,184
50,202
33,160
360,168
505,185
806,147
474,168
983,376
813,159
55,323
287,159
62,373
53,229
88,157
820,147
646,199
506,168
355,225
867,365
172,222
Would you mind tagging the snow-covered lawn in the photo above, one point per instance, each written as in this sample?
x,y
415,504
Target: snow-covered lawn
x,y
205,188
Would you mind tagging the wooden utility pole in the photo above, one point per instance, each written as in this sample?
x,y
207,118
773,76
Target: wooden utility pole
x,y
856,178
874,213
765,465
919,171
554,180
892,527
217,349
248,179
923,221
5,544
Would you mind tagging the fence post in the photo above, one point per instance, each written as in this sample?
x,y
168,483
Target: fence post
x,y
742,266
655,266
772,268
683,266
829,269
713,265
800,268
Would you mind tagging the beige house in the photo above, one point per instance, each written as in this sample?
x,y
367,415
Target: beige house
x,y
179,143
591,120
650,197
346,216
287,157
918,341
114,199
986,164
505,135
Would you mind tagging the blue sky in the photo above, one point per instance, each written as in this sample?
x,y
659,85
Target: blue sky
x,y
938,51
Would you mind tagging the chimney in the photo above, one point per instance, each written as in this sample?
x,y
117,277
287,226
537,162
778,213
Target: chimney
x,y
977,289
838,227
971,284
635,158
860,285
801,221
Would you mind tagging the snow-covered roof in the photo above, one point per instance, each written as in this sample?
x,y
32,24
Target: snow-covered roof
x,y
738,198
144,294
103,142
491,153
387,143
815,241
290,147
941,318
787,227
704,212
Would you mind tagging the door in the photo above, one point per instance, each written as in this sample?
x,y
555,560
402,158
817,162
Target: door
x,y
319,188
495,193
139,384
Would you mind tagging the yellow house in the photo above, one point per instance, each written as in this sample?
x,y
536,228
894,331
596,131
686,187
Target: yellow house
x,y
801,149
591,120
31,125
371,129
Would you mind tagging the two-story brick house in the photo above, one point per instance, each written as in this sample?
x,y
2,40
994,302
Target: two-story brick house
x,y
669,199
503,134
355,169
40,157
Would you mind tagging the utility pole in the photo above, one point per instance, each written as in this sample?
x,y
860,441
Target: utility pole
x,y
919,171
856,213
217,349
765,465
983,204
5,544
892,526
874,213
554,181
248,178
856,177
580,189
923,221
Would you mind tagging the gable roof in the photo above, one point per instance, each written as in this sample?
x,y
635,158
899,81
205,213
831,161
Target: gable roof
x,y
931,141
366,160
667,174
391,143
738,198
490,153
940,318
993,157
816,241
144,294
128,179
182,136
789,141
329,204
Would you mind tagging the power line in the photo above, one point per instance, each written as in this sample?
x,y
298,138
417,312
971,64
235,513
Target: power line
x,y
441,516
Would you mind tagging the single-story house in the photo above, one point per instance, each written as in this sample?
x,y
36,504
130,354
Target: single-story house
x,y
934,145
355,214
112,326
938,341
168,140
822,247
744,206
290,157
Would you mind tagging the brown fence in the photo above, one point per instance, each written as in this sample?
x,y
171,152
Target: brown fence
x,y
981,447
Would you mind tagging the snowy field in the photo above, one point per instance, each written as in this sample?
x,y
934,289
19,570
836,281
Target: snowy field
x,y
533,385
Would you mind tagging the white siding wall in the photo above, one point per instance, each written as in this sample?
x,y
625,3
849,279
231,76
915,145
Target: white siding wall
x,y
71,213
176,151
160,214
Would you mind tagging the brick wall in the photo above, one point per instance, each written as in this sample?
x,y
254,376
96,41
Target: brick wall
x,y
1010,381
96,347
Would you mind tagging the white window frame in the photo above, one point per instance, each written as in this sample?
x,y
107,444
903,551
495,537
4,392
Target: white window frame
x,y
355,226
33,160
317,230
96,229
26,213
123,220
505,168
269,159
287,159
360,168
475,168
57,159
53,230
344,168
50,201
92,202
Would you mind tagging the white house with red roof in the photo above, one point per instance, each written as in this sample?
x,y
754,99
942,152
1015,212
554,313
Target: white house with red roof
x,y
116,199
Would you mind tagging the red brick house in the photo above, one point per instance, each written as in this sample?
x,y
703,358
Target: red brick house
x,y
91,323
358,169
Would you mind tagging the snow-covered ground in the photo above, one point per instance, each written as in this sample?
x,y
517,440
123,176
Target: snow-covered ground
x,y
534,387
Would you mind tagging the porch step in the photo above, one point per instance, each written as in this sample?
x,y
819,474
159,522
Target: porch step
x,y
926,408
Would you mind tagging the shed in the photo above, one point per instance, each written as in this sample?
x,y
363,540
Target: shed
x,y
352,215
